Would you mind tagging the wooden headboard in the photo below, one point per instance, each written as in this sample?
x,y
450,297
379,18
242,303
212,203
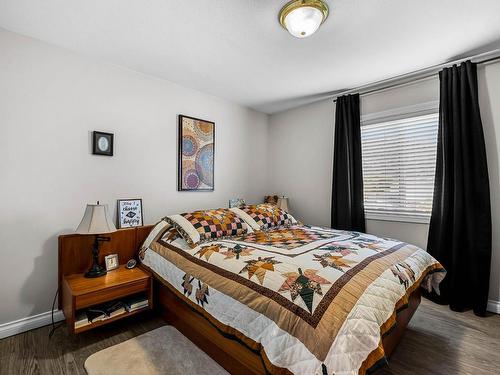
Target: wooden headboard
x,y
75,255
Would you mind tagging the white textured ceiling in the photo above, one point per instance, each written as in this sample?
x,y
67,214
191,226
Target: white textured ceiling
x,y
237,50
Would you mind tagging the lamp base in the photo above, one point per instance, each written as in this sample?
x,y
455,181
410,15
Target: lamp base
x,y
96,271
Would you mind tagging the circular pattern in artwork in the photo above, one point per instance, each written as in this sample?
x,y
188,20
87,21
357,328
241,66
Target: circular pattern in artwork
x,y
191,179
204,164
204,130
189,145
103,144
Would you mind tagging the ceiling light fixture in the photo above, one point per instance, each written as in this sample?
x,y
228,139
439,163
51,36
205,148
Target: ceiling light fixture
x,y
303,17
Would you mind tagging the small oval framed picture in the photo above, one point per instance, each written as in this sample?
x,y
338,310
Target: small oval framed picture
x,y
102,143
111,261
129,213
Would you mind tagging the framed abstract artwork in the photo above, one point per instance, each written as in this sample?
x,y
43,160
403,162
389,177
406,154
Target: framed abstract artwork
x,y
196,154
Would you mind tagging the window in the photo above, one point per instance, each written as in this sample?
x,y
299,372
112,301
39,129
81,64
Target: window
x,y
399,160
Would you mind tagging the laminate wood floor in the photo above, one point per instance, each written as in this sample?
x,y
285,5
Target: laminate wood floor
x,y
438,341
32,353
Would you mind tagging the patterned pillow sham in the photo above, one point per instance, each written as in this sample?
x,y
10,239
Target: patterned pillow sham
x,y
206,225
264,216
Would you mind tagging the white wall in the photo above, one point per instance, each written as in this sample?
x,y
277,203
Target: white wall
x,y
489,97
301,157
50,100
301,160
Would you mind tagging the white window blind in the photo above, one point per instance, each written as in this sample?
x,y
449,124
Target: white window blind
x,y
399,160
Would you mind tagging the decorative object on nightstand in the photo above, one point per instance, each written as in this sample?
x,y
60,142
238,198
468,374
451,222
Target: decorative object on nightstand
x,y
102,143
111,262
283,203
129,213
96,220
131,264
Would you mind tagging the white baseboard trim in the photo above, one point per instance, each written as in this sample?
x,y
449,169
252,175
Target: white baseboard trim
x,y
31,322
493,306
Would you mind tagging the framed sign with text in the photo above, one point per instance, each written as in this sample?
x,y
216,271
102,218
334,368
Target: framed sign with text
x,y
129,213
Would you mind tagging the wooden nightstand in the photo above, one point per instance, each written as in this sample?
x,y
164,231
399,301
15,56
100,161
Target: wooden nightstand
x,y
79,293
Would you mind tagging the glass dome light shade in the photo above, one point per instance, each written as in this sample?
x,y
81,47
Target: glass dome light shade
x,y
303,22
302,18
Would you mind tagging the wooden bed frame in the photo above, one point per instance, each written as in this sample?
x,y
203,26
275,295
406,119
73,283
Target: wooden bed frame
x,y
230,353
235,357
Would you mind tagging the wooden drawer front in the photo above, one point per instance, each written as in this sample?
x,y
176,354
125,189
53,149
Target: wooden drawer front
x,y
94,298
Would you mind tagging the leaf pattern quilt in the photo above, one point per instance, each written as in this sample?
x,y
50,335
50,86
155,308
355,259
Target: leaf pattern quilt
x,y
315,300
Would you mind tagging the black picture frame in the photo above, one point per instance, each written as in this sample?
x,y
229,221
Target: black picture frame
x,y
180,156
119,223
95,146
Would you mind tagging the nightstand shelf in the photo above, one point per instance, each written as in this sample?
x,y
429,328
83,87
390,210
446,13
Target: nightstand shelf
x,y
109,320
79,293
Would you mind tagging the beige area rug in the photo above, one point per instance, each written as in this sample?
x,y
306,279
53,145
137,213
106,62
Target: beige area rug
x,y
161,351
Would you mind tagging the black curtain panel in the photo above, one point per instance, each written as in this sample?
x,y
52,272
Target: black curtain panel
x,y
460,227
348,210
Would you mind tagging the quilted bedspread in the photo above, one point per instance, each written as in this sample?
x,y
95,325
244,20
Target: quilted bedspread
x,y
312,300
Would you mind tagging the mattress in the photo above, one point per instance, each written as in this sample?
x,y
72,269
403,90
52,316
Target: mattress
x,y
313,300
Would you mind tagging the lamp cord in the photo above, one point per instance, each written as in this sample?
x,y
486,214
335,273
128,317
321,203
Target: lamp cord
x,y
52,316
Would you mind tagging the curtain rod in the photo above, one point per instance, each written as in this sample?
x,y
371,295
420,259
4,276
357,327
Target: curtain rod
x,y
418,75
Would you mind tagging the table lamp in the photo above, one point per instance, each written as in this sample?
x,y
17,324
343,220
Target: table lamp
x,y
96,220
282,203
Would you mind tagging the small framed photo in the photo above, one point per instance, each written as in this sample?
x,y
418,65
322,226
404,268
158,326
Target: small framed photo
x,y
129,213
111,261
102,143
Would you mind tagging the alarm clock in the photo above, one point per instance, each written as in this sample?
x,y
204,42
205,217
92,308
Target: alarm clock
x,y
131,264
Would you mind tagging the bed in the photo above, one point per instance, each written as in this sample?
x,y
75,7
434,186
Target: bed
x,y
287,298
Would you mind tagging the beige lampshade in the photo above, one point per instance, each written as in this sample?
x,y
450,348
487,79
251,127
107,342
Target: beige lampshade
x,y
96,220
283,203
